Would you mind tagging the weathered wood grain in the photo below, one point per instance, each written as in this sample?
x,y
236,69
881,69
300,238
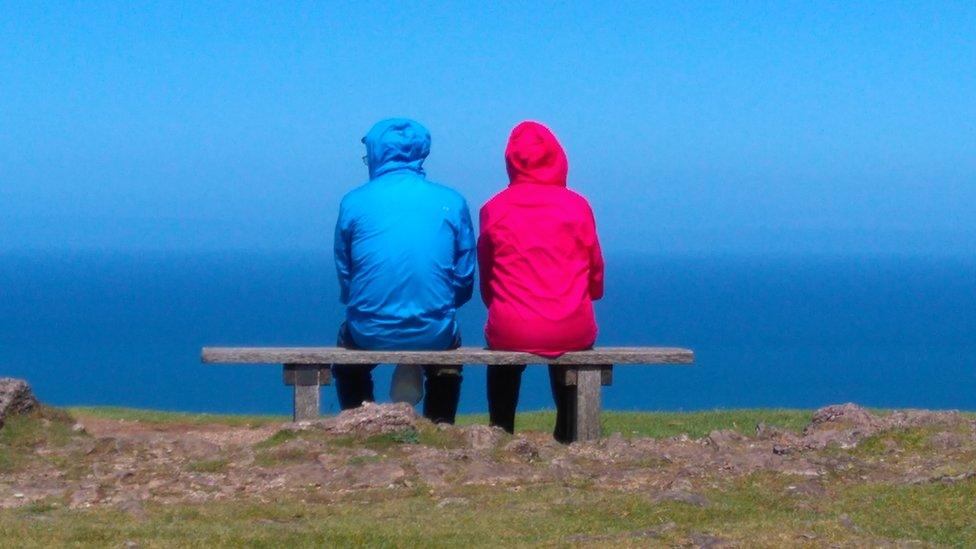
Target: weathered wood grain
x,y
307,402
587,416
464,355
568,376
307,374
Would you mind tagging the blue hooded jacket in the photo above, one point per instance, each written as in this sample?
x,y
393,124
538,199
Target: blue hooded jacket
x,y
404,247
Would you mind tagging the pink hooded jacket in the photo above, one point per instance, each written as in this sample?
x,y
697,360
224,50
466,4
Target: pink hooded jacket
x,y
538,253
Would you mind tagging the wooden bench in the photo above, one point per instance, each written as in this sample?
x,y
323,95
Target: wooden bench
x,y
307,368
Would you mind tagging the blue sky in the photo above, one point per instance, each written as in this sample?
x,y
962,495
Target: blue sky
x,y
692,127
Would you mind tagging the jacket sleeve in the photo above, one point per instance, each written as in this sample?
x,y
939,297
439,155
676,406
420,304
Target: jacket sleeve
x,y
486,258
464,258
343,252
596,258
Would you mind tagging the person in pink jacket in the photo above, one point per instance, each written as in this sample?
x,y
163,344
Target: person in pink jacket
x,y
541,269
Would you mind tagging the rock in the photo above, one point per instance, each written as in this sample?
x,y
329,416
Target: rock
x,y
843,416
946,441
680,484
813,489
134,508
783,449
615,445
682,496
83,496
433,467
951,479
844,425
482,437
372,419
451,501
523,448
197,448
846,522
708,541
724,439
842,438
381,474
779,436
16,397
906,419
491,473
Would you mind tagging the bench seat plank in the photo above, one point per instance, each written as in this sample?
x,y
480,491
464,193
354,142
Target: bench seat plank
x,y
464,355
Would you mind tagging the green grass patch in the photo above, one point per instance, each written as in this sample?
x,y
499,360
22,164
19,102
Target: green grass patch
x,y
22,433
208,466
934,513
158,416
363,460
630,424
756,511
277,439
665,424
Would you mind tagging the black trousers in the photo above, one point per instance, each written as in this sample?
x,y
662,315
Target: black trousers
x,y
442,384
504,383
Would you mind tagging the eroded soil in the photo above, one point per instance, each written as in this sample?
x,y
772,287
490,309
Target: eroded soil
x,y
126,464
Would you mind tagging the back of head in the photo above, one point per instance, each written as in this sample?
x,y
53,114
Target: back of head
x,y
534,155
396,144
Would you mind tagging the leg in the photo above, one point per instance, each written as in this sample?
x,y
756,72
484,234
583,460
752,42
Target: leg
x,y
442,393
564,396
504,383
588,382
306,379
576,390
354,384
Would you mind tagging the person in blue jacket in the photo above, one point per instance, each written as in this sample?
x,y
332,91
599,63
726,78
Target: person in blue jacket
x,y
405,257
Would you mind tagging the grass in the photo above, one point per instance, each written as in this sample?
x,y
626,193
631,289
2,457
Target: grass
x,y
935,513
157,416
653,424
666,424
759,510
21,434
756,511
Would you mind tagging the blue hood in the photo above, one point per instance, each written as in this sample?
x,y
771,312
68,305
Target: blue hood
x,y
396,144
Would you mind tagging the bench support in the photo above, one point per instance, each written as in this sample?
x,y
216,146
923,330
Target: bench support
x,y
585,407
306,379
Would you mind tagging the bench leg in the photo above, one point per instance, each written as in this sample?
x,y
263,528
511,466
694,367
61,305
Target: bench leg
x,y
585,405
306,380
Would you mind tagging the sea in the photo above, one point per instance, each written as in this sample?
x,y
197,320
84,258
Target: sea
x,y
126,329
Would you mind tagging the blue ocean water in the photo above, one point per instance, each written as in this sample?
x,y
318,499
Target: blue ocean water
x,y
126,329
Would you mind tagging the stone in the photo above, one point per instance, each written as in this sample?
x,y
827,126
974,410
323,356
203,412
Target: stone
x,y
724,439
708,541
846,522
842,416
946,441
372,419
906,419
381,474
682,496
451,501
523,448
482,437
16,397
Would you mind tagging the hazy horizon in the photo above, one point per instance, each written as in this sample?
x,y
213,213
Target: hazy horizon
x,y
762,129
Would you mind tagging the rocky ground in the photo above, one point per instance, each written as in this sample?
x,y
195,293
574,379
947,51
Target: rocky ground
x,y
51,458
